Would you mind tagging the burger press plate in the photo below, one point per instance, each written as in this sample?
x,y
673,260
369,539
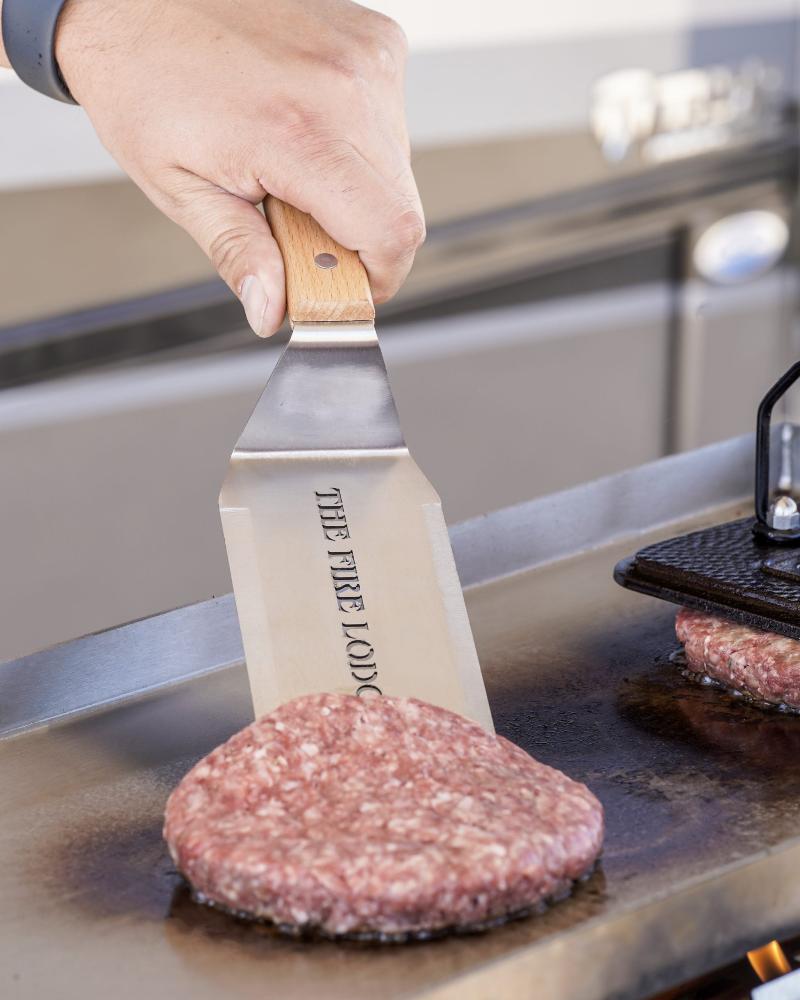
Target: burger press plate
x,y
702,792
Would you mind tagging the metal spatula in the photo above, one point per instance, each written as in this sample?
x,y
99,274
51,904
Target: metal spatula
x,y
342,568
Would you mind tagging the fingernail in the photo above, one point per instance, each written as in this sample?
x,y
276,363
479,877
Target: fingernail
x,y
254,299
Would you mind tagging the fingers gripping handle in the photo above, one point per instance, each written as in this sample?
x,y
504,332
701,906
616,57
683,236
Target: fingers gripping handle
x,y
324,282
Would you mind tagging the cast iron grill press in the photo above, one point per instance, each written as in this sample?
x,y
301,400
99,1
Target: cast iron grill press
x,y
747,570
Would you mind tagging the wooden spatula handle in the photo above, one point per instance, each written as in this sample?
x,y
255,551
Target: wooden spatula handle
x,y
324,282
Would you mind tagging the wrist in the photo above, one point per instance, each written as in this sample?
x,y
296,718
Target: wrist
x,y
88,32
71,39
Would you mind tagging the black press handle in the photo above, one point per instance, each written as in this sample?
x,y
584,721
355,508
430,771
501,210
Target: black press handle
x,y
763,426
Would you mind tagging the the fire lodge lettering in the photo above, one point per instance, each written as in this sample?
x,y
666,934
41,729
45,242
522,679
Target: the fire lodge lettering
x,y
365,651
347,591
347,629
361,676
332,516
368,689
345,581
329,498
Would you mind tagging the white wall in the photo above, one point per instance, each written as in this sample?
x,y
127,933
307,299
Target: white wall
x,y
446,24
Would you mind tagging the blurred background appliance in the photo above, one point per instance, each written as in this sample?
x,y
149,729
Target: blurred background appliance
x,y
610,276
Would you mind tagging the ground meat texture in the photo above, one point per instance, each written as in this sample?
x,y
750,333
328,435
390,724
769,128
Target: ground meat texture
x,y
763,665
378,817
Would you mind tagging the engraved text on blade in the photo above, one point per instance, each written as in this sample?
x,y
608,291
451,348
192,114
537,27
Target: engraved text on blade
x,y
347,590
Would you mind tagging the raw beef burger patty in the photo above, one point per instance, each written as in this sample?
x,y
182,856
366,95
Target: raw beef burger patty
x,y
378,817
763,665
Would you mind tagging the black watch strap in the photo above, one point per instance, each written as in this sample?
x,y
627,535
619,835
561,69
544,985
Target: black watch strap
x,y
29,31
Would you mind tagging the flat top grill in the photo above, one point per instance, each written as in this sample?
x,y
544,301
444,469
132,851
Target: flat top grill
x,y
702,796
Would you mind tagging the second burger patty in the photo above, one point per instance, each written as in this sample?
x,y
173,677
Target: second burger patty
x,y
763,665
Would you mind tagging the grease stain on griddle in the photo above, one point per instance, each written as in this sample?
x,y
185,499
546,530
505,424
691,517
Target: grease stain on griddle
x,y
117,870
111,869
744,740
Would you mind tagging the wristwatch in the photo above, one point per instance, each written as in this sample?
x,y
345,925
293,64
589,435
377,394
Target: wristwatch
x,y
29,31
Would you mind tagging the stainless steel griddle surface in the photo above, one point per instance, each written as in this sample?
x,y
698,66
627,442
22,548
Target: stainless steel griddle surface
x,y
702,796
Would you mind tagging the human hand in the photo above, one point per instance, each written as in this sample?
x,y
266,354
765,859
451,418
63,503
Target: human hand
x,y
211,104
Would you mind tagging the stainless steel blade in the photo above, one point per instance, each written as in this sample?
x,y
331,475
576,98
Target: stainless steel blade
x,y
341,563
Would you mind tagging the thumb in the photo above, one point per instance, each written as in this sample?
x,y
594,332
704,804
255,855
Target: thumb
x,y
237,239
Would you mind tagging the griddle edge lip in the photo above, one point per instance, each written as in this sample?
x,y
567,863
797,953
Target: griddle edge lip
x,y
714,954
